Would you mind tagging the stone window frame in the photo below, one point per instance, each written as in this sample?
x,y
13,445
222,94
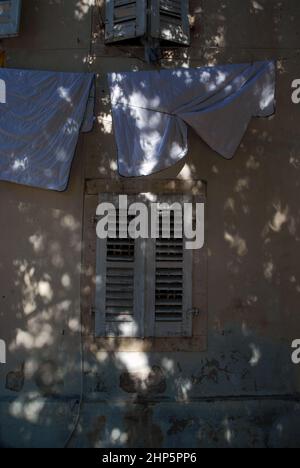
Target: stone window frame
x,y
198,341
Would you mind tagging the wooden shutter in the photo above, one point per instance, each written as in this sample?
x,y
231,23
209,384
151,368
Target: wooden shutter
x,y
170,20
120,284
125,20
10,11
169,280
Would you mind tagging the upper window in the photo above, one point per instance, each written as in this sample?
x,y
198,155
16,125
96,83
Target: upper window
x,y
157,19
10,11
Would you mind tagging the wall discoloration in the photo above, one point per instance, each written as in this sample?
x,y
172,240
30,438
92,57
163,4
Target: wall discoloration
x,y
15,380
96,434
212,370
141,430
178,425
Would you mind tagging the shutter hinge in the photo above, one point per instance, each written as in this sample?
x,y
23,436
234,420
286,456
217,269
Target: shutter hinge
x,y
194,312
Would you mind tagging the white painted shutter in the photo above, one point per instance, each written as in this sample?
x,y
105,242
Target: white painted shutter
x,y
169,281
10,12
170,20
120,285
125,19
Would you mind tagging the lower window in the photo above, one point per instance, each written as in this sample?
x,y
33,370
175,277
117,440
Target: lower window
x,y
144,271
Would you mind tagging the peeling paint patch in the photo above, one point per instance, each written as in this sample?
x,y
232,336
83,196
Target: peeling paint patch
x,y
179,425
141,430
15,380
96,433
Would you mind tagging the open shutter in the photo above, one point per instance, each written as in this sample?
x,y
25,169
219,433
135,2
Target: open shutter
x,y
120,284
125,20
170,20
169,278
10,12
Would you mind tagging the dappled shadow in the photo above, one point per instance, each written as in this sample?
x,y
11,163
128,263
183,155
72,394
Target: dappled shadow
x,y
241,391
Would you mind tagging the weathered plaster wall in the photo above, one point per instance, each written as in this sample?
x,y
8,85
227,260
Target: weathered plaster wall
x,y
243,390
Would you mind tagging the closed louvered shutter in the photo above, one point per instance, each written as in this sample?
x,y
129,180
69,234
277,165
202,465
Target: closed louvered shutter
x,y
120,283
144,286
125,20
170,20
169,276
10,11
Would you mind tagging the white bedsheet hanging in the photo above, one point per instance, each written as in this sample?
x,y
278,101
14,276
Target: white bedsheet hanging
x,y
152,111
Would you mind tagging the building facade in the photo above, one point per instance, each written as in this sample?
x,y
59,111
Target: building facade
x,y
233,383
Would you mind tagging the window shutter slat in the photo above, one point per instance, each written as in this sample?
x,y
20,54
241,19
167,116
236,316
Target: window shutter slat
x,y
170,20
10,12
125,20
